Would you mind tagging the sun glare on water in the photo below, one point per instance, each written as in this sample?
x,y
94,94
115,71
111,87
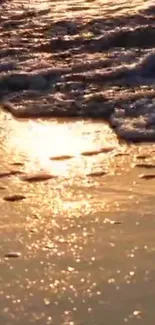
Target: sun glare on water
x,y
43,143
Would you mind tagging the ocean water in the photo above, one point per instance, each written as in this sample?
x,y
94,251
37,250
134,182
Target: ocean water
x,y
91,59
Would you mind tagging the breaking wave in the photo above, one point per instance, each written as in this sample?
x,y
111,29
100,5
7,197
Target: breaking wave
x,y
86,60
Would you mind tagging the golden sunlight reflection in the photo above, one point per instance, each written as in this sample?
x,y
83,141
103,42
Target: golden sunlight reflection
x,y
58,146
83,9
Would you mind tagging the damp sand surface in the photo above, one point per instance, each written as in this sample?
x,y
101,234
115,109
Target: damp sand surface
x,y
77,202
76,235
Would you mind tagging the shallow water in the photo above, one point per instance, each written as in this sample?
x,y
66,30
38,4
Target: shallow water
x,y
77,202
87,58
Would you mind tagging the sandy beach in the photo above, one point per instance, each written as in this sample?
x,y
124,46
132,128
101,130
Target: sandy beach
x,y
76,201
77,248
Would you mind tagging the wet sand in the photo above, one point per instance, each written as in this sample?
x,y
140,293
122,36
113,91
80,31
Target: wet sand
x,y
77,203
77,248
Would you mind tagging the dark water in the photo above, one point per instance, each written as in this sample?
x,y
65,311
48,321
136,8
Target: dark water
x,y
83,58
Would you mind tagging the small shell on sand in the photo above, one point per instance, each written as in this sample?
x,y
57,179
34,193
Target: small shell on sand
x,y
147,166
15,197
97,174
16,163
119,154
142,156
96,152
64,157
12,255
147,176
10,173
38,177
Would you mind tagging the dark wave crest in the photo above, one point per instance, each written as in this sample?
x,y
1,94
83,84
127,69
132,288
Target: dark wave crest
x,y
87,65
